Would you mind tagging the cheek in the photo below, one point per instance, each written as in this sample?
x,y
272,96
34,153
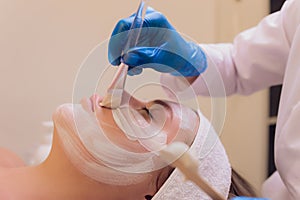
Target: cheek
x,y
172,129
114,133
186,128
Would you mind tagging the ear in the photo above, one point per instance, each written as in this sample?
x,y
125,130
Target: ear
x,y
164,175
158,181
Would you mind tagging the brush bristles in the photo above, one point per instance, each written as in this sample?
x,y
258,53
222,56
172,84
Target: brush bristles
x,y
112,99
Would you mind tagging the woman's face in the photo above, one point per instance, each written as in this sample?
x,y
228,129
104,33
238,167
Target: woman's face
x,y
160,116
163,117
94,138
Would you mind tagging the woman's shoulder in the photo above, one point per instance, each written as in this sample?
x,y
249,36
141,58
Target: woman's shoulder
x,y
9,159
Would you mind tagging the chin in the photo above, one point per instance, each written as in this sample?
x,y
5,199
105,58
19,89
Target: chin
x,y
63,117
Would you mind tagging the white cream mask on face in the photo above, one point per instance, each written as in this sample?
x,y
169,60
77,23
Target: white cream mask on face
x,y
153,135
105,162
149,134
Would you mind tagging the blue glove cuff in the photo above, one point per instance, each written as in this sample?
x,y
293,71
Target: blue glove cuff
x,y
196,62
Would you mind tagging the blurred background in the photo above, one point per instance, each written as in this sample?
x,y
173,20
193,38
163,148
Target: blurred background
x,y
43,44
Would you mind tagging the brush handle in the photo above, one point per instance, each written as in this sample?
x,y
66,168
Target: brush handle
x,y
113,97
189,168
136,26
114,93
119,79
201,183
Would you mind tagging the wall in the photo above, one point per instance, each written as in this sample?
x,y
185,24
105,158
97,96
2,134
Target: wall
x,y
43,44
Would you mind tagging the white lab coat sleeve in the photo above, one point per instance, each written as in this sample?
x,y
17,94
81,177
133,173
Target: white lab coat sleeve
x,y
255,60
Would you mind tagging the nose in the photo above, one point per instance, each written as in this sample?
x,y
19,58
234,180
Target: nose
x,y
127,99
135,103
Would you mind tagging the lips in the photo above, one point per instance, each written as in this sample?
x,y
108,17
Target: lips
x,y
89,104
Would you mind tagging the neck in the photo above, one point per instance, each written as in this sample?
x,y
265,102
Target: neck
x,y
58,172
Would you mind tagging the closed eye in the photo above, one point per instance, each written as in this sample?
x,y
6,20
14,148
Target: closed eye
x,y
145,113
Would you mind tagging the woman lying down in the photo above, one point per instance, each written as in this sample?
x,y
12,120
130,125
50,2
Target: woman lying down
x,y
92,158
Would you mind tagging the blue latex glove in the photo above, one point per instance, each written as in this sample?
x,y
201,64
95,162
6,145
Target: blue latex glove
x,y
159,47
248,198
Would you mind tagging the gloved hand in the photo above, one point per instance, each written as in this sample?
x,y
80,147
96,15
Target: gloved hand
x,y
159,47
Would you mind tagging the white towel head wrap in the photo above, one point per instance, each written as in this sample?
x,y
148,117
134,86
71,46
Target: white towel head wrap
x,y
214,167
